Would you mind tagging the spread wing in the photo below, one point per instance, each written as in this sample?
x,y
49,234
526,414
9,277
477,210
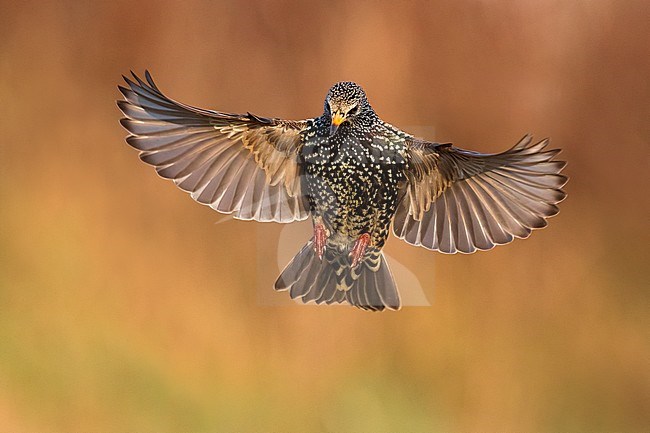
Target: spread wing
x,y
241,164
457,200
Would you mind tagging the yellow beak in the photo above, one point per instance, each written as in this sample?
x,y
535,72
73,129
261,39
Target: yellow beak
x,y
337,119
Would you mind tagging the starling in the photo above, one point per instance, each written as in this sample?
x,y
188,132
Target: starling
x,y
353,174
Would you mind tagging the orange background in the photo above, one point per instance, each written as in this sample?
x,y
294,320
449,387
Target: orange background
x,y
124,308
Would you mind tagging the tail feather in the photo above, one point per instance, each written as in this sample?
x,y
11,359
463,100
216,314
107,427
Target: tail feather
x,y
294,270
339,296
372,294
369,286
311,270
387,297
327,292
324,280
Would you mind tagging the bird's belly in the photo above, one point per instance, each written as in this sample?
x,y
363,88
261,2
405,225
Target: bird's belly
x,y
353,199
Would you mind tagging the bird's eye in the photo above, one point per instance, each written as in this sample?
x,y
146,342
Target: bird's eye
x,y
354,110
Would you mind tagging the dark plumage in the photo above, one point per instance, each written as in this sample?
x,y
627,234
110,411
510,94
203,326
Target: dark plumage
x,y
353,174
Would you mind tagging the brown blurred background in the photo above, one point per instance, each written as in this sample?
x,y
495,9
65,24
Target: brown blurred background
x,y
124,308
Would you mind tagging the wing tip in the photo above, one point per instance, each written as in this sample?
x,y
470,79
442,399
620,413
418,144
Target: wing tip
x,y
139,83
149,79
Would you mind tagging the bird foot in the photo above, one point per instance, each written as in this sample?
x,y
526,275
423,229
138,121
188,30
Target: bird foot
x,y
359,249
320,238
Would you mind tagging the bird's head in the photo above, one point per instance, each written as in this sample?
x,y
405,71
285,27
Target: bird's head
x,y
345,103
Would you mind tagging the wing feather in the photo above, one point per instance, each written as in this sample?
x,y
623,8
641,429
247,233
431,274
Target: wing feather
x,y
456,200
235,163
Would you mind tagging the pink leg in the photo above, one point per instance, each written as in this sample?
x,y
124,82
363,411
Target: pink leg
x,y
359,249
320,238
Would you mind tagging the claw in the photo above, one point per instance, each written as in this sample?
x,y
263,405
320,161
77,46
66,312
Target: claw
x,y
359,249
320,238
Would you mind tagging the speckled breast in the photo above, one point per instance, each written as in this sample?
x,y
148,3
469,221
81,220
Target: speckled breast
x,y
351,181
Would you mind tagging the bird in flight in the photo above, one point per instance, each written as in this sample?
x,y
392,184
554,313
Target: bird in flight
x,y
353,174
